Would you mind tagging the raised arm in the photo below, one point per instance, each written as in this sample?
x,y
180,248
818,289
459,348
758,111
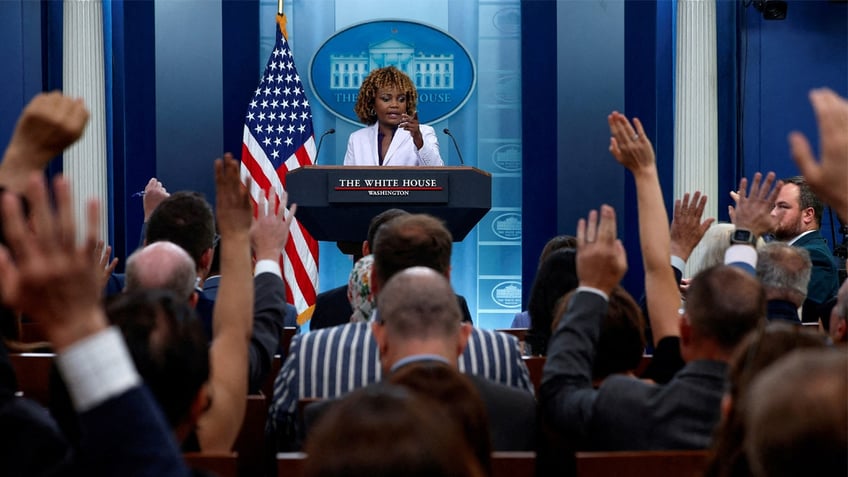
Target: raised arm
x,y
567,395
268,236
632,149
56,282
232,318
687,229
828,177
48,124
752,214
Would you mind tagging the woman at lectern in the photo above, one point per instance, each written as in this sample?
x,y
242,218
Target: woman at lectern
x,y
393,137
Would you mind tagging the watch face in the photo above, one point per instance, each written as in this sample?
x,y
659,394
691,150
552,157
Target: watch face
x,y
744,236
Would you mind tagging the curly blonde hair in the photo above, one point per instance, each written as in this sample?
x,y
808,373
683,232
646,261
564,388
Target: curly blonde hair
x,y
381,78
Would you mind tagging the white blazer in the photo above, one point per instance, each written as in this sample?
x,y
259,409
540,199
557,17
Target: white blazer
x,y
362,148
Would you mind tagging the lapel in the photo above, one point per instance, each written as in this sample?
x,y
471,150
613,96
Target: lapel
x,y
808,239
398,141
372,143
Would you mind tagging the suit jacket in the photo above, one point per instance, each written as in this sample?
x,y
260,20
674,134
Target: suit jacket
x,y
332,308
511,414
271,314
343,358
141,444
624,413
362,148
782,310
824,279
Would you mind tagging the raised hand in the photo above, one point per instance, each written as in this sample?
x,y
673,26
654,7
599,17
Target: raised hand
x,y
411,124
50,278
687,229
48,124
753,208
154,194
601,259
102,252
827,178
233,209
629,144
270,230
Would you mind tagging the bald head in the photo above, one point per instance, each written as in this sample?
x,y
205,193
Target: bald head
x,y
163,265
419,303
418,314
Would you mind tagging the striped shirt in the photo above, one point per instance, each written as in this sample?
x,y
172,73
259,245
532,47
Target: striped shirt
x,y
330,362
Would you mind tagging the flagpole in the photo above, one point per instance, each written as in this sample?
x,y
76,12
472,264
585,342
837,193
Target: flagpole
x,y
279,7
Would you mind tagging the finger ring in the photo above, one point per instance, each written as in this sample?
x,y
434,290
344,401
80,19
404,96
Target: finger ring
x,y
635,137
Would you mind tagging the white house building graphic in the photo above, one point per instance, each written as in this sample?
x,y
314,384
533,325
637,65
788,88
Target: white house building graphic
x,y
426,71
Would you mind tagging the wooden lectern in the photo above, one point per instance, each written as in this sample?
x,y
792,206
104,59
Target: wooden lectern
x,y
336,203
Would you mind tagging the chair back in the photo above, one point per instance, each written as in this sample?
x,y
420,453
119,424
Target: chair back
x,y
679,463
535,365
291,464
513,464
250,443
32,371
222,464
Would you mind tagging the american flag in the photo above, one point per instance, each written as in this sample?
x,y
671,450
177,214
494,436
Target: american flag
x,y
278,138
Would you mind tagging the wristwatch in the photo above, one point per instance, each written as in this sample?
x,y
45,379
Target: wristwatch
x,y
743,237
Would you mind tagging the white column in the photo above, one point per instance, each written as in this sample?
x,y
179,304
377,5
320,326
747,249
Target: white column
x,y
696,103
83,75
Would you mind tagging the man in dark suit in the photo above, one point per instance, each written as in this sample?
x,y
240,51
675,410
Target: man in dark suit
x,y
332,307
418,322
185,218
784,271
723,304
797,214
58,284
327,363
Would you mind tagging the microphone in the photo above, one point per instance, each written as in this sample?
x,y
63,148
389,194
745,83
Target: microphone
x,y
447,131
328,131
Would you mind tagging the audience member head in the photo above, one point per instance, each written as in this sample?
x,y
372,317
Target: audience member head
x,y
621,342
359,290
162,265
169,349
418,314
374,226
186,219
388,431
388,77
838,325
556,276
557,243
756,352
784,271
451,390
796,209
408,241
797,418
723,304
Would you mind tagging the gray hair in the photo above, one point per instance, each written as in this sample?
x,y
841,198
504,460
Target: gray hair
x,y
785,269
